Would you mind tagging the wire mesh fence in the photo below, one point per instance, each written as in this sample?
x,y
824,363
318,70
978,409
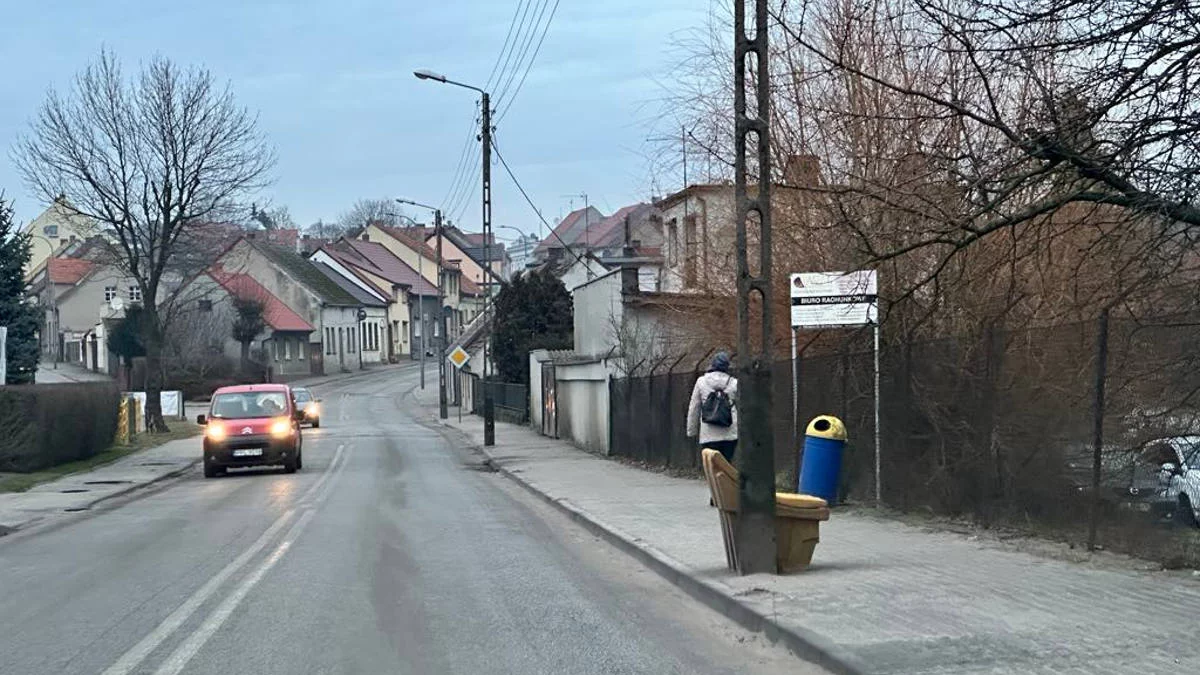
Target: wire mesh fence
x,y
1000,427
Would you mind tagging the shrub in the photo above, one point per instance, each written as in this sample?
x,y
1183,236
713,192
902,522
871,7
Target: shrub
x,y
43,425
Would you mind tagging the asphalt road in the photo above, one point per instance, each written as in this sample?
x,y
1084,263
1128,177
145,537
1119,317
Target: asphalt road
x,y
392,551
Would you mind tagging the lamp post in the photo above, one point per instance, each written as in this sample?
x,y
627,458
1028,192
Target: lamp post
x,y
489,409
441,290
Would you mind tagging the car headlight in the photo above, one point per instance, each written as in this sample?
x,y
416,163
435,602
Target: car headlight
x,y
215,432
281,428
311,410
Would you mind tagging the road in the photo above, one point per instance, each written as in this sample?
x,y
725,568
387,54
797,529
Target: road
x,y
393,551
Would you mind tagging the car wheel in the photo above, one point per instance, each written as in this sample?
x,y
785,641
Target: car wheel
x,y
299,459
211,471
1187,514
290,465
316,423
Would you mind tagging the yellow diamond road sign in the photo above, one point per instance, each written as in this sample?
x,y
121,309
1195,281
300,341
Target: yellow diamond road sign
x,y
459,357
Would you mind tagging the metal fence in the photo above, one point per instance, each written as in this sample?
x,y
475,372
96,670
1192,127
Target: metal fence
x,y
1000,426
511,401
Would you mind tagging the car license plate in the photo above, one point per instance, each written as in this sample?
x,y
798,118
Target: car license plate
x,y
1144,507
248,452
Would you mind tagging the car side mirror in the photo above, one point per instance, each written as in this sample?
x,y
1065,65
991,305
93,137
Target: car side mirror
x,y
201,420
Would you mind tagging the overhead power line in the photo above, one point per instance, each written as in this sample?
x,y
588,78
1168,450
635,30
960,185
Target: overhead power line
x,y
536,210
529,65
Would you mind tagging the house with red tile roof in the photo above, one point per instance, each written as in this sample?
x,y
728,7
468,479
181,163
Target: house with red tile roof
x,y
77,294
337,315
411,299
283,346
463,298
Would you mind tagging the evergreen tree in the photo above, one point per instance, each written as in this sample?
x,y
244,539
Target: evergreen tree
x,y
20,316
534,311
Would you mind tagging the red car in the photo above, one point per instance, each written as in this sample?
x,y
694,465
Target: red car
x,y
252,425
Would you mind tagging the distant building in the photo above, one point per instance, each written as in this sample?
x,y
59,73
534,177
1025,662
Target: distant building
x,y
57,227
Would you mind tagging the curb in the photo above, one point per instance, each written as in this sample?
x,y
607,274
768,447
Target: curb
x,y
804,643
174,473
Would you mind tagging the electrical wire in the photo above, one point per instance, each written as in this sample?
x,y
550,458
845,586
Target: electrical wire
x,y
536,210
525,43
529,66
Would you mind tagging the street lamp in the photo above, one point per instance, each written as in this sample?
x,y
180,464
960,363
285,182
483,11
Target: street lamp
x,y
441,289
489,408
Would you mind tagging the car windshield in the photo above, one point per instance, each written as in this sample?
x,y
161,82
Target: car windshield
x,y
302,395
1189,449
249,404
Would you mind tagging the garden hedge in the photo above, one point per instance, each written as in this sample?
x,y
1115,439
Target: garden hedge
x,y
43,425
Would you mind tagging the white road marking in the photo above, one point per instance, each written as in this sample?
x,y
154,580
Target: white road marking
x,y
188,649
131,659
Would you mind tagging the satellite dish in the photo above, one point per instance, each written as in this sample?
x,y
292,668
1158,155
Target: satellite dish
x,y
117,304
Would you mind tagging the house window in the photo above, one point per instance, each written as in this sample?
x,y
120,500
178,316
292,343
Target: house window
x,y
275,349
50,230
396,334
404,332
110,292
135,293
353,344
300,349
287,350
206,305
417,327
363,336
329,346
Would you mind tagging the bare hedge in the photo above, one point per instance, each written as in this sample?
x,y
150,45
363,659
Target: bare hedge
x,y
43,425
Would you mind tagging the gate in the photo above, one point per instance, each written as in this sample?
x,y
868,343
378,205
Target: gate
x,y
549,401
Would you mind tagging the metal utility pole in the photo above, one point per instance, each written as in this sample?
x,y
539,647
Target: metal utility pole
x,y
441,289
489,405
489,409
754,533
441,296
421,316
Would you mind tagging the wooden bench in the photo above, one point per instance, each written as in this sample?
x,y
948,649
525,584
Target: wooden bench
x,y
797,517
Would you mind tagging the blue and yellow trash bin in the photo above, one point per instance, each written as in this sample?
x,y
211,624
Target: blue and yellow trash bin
x,y
821,464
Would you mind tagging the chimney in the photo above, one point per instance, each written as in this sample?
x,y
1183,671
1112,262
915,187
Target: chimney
x,y
628,252
629,280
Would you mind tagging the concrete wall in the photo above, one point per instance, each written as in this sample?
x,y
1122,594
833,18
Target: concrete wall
x,y
583,405
598,311
714,242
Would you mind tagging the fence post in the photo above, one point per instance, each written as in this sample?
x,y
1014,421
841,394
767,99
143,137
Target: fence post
x,y
1098,424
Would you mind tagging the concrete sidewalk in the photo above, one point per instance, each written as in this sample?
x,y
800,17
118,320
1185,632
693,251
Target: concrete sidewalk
x,y
65,373
82,491
880,596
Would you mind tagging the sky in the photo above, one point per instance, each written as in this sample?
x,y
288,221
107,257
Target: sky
x,y
332,83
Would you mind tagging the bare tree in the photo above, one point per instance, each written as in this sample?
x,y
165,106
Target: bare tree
x,y
272,218
151,159
248,322
364,211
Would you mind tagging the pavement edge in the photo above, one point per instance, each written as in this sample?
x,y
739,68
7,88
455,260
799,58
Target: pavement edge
x,y
806,644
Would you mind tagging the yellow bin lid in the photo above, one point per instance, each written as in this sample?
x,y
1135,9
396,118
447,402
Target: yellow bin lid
x,y
827,426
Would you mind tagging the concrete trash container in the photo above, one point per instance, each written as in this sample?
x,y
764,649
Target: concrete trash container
x,y
821,464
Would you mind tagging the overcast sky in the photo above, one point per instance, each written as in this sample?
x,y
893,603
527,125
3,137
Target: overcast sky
x,y
332,82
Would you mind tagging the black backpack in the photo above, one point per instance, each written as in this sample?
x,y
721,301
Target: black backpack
x,y
717,408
